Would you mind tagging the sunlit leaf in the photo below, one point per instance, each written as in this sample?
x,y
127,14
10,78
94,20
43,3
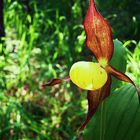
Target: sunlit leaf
x,y
118,61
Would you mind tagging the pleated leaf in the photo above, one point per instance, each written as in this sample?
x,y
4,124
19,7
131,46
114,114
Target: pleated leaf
x,y
118,117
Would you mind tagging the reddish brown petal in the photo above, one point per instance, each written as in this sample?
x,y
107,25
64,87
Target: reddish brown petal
x,y
98,34
56,81
119,75
94,99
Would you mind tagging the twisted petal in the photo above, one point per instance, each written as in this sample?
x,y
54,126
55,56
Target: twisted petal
x,y
98,34
94,100
121,76
56,81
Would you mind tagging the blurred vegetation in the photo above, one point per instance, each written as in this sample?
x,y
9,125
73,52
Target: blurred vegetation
x,y
42,40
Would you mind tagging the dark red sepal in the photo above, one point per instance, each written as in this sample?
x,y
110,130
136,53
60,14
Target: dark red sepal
x,y
94,100
98,34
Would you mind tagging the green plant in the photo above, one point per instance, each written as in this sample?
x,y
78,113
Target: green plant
x,y
133,67
95,77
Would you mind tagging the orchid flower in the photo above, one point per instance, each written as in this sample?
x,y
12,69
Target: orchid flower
x,y
91,76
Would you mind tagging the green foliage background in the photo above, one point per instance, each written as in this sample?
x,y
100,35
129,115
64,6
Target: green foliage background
x,y
43,39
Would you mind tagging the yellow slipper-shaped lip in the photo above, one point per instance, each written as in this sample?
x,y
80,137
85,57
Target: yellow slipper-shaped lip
x,y
88,75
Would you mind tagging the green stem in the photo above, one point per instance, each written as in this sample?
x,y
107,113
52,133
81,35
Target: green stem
x,y
101,124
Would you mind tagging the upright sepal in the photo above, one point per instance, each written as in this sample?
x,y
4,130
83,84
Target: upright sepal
x,y
98,34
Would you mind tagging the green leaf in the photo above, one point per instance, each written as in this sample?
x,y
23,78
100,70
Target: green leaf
x,y
117,117
118,61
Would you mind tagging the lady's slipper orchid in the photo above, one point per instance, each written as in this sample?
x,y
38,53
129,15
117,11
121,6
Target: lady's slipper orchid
x,y
95,77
